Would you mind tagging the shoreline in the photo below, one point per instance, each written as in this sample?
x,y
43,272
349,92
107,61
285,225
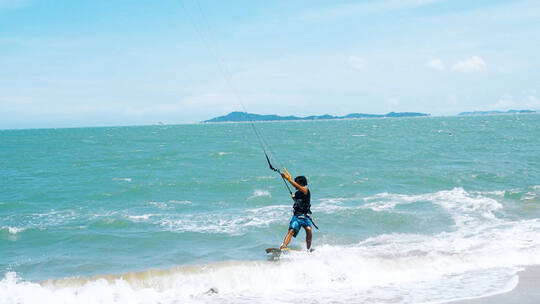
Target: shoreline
x,y
525,292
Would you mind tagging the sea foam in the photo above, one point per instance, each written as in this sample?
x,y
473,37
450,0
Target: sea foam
x,y
365,272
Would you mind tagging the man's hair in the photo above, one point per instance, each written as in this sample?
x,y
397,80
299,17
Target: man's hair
x,y
301,180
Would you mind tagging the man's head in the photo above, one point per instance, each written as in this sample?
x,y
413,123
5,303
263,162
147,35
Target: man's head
x,y
301,180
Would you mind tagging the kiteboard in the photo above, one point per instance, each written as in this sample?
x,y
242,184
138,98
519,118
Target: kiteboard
x,y
274,252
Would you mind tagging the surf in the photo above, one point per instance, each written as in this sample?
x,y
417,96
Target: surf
x,y
481,255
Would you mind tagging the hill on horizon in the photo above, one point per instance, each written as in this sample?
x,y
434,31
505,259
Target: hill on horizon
x,y
244,116
496,112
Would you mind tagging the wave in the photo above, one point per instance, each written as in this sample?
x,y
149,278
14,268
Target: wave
x,y
226,223
479,256
181,202
124,179
140,217
259,193
388,268
13,230
457,202
463,208
16,223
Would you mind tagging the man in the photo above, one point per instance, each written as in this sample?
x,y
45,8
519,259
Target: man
x,y
301,206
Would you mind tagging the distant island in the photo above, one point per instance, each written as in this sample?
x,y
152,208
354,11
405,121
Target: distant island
x,y
244,116
496,112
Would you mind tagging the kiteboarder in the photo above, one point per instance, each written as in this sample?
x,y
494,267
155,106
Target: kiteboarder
x,y
302,209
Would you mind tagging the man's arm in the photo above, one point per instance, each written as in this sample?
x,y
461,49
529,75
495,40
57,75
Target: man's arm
x,y
287,176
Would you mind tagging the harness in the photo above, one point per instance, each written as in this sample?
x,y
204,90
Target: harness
x,y
304,216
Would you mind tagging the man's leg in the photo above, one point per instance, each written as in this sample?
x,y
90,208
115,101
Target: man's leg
x,y
287,239
308,237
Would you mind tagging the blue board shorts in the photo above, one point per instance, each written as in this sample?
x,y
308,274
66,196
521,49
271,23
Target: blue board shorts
x,y
298,221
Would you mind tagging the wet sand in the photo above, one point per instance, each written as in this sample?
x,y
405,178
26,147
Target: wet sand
x,y
526,292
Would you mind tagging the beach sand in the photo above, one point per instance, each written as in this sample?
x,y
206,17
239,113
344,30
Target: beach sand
x,y
526,292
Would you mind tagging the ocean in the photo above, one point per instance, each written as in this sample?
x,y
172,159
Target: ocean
x,y
410,210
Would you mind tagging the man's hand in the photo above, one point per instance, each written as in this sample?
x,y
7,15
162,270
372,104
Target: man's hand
x,y
286,175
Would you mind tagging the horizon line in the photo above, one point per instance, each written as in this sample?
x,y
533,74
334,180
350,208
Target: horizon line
x,y
161,124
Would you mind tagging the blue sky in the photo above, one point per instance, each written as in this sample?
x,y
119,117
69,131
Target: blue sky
x,y
97,63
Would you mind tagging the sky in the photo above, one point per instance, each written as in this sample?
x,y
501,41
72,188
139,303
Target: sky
x,y
109,63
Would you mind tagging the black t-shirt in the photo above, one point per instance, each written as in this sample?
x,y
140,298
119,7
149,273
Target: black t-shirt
x,y
302,202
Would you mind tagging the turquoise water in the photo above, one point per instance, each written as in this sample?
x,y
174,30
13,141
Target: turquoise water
x,y
164,213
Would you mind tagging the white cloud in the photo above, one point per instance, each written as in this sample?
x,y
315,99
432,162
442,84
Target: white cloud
x,y
533,102
436,64
357,62
473,64
508,102
504,103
